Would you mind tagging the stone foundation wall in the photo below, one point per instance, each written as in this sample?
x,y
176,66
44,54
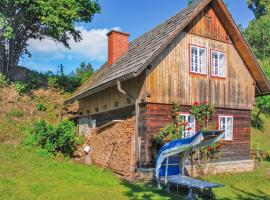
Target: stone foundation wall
x,y
227,167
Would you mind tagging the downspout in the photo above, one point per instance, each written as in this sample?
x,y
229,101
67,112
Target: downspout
x,y
122,91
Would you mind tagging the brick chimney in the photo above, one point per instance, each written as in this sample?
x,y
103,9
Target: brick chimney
x,y
117,45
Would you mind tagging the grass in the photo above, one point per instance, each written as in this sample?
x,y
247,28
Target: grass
x,y
244,186
25,175
260,139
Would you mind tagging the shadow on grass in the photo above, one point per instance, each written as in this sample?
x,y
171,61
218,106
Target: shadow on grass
x,y
245,195
147,191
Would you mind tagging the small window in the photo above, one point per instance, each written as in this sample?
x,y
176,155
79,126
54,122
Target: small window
x,y
93,123
226,124
218,64
191,127
198,60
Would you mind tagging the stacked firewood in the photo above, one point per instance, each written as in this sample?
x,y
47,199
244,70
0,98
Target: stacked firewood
x,y
112,147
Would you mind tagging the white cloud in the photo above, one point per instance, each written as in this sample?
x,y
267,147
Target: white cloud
x,y
93,46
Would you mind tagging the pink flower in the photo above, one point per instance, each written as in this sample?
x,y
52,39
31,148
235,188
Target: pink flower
x,y
185,123
196,103
205,102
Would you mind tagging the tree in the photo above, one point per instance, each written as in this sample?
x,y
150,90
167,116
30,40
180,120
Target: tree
x,y
22,20
84,71
258,36
259,7
263,103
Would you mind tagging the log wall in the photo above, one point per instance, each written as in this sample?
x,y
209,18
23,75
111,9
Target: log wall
x,y
157,116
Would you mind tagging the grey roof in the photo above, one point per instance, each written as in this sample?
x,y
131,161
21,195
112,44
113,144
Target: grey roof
x,y
141,52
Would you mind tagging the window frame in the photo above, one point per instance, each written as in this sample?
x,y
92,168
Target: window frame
x,y
187,114
190,60
211,64
227,116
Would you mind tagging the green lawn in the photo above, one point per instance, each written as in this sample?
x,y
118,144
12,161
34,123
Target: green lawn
x,y
260,139
26,176
244,186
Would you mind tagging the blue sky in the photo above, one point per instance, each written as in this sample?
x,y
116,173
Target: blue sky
x,y
134,17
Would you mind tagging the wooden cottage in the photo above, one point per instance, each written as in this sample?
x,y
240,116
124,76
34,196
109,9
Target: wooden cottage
x,y
197,55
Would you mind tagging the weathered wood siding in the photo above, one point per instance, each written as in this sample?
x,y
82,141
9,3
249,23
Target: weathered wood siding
x,y
110,98
207,24
157,116
170,80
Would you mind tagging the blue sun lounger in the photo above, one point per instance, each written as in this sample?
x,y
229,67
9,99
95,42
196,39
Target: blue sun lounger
x,y
170,164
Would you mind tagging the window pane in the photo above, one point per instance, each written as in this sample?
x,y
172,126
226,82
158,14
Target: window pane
x,y
190,128
190,119
229,120
214,63
222,64
194,59
229,132
202,60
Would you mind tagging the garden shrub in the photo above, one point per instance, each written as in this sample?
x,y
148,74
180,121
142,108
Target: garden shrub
x,y
22,88
55,139
53,82
3,81
41,107
15,113
64,83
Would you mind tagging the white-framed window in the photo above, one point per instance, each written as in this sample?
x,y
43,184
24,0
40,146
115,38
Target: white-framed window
x,y
218,64
190,129
198,63
226,124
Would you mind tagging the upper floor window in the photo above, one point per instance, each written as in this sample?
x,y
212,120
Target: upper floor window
x,y
190,129
197,59
226,124
218,64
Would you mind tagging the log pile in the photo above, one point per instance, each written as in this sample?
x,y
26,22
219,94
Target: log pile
x,y
112,147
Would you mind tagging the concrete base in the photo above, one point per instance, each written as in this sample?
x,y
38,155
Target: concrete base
x,y
226,167
148,174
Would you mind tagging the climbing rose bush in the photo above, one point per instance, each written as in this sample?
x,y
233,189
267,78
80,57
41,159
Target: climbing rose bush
x,y
203,113
172,131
